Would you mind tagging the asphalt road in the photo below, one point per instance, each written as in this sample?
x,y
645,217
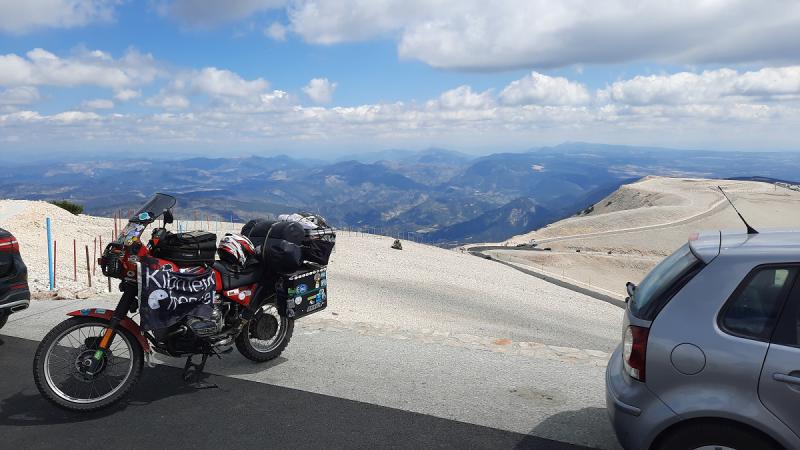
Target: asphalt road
x,y
522,388
164,412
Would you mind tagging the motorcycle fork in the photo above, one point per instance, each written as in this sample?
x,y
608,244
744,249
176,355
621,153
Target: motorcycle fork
x,y
120,312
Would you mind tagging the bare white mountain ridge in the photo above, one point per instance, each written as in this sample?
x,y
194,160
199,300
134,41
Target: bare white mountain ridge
x,y
621,237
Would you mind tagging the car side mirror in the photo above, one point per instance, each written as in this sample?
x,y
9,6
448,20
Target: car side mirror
x,y
630,288
168,218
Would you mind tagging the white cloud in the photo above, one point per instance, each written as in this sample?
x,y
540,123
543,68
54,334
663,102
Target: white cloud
x,y
124,75
125,95
720,108
711,86
168,101
276,31
219,83
74,116
98,103
471,34
463,97
323,22
320,90
214,12
539,89
18,17
89,68
22,95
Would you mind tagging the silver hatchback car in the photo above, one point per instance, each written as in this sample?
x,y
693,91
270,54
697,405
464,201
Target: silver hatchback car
x,y
710,354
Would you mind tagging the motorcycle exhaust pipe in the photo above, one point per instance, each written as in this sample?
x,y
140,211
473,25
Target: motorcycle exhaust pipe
x,y
180,330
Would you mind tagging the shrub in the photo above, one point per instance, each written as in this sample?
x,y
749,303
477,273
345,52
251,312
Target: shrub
x,y
74,208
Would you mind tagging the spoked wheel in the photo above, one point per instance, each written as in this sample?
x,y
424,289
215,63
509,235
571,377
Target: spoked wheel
x,y
68,375
266,335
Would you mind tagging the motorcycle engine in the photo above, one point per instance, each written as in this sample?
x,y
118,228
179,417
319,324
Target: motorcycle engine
x,y
199,334
202,328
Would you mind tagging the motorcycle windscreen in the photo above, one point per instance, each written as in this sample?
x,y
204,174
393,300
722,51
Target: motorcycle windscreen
x,y
154,208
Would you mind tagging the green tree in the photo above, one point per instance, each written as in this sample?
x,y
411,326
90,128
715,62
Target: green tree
x,y
74,208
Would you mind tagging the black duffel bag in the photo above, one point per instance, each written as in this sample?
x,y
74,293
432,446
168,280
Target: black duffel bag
x,y
281,256
279,242
257,230
191,248
285,244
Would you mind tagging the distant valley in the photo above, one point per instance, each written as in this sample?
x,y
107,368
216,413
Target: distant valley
x,y
436,195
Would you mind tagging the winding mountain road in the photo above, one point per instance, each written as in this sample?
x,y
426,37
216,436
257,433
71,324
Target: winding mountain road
x,y
719,205
586,288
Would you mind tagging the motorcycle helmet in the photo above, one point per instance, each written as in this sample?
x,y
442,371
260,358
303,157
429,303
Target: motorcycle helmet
x,y
235,249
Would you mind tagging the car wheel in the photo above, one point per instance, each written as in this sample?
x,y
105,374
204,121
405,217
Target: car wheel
x,y
705,435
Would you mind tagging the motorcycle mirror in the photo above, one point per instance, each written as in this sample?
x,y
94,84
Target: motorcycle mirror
x,y
168,218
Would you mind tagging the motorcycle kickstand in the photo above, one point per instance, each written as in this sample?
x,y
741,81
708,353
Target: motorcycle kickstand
x,y
192,373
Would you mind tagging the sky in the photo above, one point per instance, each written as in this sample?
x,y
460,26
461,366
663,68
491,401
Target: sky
x,y
317,77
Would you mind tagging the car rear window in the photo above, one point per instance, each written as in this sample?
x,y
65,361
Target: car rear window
x,y
787,331
662,282
753,309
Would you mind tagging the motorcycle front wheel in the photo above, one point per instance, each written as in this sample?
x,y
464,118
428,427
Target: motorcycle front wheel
x,y
66,375
266,335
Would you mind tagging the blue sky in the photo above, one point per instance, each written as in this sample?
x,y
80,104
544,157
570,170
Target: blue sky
x,y
320,77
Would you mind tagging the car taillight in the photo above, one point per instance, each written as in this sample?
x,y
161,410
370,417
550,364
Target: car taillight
x,y
634,349
9,245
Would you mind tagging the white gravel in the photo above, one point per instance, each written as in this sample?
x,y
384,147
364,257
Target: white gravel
x,y
420,288
26,220
427,288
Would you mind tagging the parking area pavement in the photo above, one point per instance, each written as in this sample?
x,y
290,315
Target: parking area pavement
x,y
164,412
372,385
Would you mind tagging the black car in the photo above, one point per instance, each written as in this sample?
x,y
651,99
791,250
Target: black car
x,y
14,293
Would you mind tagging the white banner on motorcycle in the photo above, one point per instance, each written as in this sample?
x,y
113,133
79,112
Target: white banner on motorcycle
x,y
165,297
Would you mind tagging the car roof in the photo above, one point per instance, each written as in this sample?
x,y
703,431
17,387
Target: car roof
x,y
772,241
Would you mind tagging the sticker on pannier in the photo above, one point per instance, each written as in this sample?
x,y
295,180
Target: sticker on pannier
x,y
302,293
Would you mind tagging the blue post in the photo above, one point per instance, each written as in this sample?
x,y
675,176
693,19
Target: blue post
x,y
50,255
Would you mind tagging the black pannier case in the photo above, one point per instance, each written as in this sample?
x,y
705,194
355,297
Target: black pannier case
x,y
190,248
302,293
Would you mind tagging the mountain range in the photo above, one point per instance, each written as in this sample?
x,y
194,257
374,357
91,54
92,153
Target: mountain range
x,y
437,195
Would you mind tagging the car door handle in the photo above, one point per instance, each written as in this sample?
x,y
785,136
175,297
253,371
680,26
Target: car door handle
x,y
783,378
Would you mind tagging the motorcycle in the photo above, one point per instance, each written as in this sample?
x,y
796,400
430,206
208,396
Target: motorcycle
x,y
93,359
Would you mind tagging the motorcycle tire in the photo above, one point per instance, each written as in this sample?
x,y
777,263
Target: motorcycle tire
x,y
266,317
46,385
3,319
